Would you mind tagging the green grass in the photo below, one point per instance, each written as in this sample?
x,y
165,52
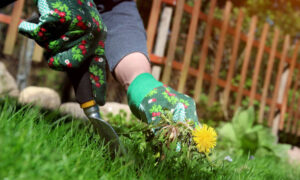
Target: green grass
x,y
36,144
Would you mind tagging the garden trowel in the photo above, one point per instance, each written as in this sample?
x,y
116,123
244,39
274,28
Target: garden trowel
x,y
105,130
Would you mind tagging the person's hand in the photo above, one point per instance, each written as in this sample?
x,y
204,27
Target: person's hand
x,y
72,32
165,98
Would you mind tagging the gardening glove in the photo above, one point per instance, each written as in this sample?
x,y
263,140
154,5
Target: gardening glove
x,y
149,98
72,32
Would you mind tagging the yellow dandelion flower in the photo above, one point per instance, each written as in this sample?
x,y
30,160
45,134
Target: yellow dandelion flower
x,y
205,138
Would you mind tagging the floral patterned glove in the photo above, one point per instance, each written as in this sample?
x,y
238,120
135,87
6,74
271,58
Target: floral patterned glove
x,y
165,98
149,98
72,32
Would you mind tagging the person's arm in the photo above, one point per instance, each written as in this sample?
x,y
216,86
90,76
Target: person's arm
x,y
4,3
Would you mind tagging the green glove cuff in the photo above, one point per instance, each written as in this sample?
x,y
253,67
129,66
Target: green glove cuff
x,y
138,89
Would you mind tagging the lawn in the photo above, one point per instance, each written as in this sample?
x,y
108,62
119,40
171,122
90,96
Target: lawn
x,y
39,144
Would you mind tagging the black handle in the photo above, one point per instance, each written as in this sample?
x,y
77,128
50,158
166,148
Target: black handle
x,y
4,3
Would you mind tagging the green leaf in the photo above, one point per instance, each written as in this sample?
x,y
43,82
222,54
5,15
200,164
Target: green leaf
x,y
243,120
75,32
93,69
251,114
155,108
266,138
99,51
75,50
184,102
250,142
227,132
281,150
77,57
56,4
64,8
68,18
255,129
152,92
99,72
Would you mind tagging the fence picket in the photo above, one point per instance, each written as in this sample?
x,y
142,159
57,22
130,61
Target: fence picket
x,y
291,109
37,53
173,41
231,30
12,30
220,49
258,62
237,37
244,71
5,19
161,38
286,91
268,75
189,45
152,23
204,49
296,116
277,83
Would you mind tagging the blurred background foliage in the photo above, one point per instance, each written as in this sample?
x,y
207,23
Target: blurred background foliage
x,y
283,14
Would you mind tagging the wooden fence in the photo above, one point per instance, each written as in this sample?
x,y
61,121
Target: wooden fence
x,y
283,100
283,113
13,21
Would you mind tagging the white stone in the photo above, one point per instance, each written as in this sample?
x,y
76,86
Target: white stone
x,y
294,155
8,85
41,96
73,109
115,108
